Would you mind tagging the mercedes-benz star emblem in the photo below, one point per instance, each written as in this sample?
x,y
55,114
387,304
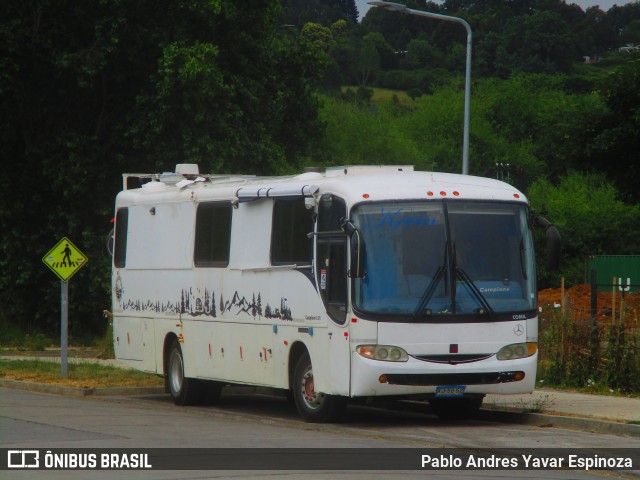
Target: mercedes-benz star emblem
x,y
518,329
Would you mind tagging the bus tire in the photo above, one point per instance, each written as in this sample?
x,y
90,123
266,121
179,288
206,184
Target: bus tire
x,y
313,406
456,408
184,391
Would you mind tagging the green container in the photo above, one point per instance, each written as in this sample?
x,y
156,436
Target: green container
x,y
625,268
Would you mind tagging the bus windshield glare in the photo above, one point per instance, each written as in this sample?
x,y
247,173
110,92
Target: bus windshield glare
x,y
426,260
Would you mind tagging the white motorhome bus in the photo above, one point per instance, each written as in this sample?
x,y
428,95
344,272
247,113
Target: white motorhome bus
x,y
356,282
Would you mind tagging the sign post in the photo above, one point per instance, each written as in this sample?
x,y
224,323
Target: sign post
x,y
64,327
64,259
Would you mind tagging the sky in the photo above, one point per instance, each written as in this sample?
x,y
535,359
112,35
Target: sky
x,y
604,4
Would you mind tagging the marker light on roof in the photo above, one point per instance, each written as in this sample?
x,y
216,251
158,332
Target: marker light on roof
x,y
429,194
516,195
365,195
443,193
456,194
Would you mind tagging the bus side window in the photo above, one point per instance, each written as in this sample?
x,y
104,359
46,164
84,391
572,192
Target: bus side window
x,y
292,223
120,247
330,211
213,234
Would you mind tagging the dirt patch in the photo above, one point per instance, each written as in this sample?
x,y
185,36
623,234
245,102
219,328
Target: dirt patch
x,y
577,302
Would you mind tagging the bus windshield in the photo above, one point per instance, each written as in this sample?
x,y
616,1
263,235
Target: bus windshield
x,y
427,260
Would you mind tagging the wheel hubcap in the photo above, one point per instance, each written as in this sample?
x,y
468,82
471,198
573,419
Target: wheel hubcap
x,y
312,399
176,375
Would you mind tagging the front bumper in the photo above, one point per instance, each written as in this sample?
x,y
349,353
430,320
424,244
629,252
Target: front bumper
x,y
379,378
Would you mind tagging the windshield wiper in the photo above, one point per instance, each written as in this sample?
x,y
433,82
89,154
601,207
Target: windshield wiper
x,y
429,291
460,273
433,285
524,270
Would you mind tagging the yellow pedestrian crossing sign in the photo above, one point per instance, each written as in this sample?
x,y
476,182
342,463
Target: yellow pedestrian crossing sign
x,y
65,259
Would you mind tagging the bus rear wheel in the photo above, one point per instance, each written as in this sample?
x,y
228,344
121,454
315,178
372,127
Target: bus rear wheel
x,y
312,405
188,391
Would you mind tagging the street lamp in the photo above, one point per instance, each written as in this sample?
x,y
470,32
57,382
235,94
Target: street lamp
x,y
399,7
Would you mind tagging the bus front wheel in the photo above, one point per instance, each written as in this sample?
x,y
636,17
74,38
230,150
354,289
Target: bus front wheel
x,y
312,405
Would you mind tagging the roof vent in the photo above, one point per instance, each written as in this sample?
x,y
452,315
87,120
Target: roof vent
x,y
187,169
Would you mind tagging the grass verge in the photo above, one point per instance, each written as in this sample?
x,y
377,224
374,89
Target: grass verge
x,y
80,375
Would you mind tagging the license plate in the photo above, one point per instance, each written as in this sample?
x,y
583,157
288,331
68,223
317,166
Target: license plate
x,y
450,391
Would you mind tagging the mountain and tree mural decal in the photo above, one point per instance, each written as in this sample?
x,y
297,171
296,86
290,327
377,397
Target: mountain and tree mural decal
x,y
204,303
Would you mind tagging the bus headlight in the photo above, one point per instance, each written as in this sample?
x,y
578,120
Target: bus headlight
x,y
386,353
517,350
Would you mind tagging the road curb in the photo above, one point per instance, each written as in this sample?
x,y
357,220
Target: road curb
x,y
560,421
491,413
78,392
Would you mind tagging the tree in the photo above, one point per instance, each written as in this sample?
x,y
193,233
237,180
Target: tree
x,y
535,111
631,33
230,88
616,141
399,30
89,90
591,218
323,12
622,15
66,84
539,43
362,57
421,54
600,29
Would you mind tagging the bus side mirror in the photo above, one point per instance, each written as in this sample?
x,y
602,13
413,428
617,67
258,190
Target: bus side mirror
x,y
554,243
356,247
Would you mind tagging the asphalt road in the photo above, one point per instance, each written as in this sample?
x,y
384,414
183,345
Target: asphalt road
x,y
36,420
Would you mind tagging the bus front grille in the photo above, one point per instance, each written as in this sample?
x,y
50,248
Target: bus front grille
x,y
435,379
454,359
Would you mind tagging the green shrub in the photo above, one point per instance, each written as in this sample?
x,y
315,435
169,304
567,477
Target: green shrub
x,y
578,353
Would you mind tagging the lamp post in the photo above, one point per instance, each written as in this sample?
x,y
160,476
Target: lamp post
x,y
399,7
